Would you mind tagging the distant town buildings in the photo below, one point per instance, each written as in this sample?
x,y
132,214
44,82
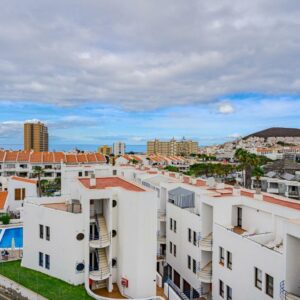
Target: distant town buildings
x,y
35,136
105,150
172,147
119,148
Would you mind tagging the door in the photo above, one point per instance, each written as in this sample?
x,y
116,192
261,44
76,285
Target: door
x,y
239,217
186,288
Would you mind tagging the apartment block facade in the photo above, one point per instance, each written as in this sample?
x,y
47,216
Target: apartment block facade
x,y
172,147
36,137
119,148
105,150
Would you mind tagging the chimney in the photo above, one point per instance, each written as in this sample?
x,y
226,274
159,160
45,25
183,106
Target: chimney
x,y
92,180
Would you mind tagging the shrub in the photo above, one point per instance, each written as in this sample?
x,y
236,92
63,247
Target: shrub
x,y
5,219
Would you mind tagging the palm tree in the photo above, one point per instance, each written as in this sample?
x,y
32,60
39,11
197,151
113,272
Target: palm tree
x,y
38,172
257,173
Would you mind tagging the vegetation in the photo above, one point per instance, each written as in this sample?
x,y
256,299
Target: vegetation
x,y
172,169
257,173
5,219
38,172
50,187
42,284
134,161
211,169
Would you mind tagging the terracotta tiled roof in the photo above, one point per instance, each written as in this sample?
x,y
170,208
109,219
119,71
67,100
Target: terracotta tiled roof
x,y
2,155
100,157
109,182
91,157
23,156
48,157
71,158
36,157
24,179
11,156
3,197
81,158
59,156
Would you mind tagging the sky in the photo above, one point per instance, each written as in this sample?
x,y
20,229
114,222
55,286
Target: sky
x,y
100,71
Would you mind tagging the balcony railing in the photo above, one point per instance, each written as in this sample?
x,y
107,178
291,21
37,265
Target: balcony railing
x,y
284,295
161,237
205,274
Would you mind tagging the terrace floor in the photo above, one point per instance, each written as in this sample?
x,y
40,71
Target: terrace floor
x,y
116,292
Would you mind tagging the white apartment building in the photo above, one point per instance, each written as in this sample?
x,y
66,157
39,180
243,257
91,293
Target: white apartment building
x,y
119,148
13,192
100,232
22,163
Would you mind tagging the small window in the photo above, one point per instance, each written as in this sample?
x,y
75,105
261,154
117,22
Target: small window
x,y
18,195
171,224
114,233
171,247
79,174
41,260
194,266
41,231
114,203
221,256
47,233
47,261
114,262
269,285
175,226
80,236
195,238
221,288
228,293
258,278
175,251
229,260
190,235
114,172
86,173
80,267
189,262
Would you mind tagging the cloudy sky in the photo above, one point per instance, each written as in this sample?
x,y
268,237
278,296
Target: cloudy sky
x,y
97,71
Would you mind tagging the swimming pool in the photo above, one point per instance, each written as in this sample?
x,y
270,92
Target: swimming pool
x,y
9,234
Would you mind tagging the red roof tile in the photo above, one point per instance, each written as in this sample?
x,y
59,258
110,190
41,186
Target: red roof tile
x,y
23,156
71,158
59,156
91,157
108,182
81,158
24,179
48,157
288,204
11,156
2,155
36,157
100,157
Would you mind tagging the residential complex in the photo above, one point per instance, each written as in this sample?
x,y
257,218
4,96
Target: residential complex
x,y
22,163
172,147
105,150
119,148
35,136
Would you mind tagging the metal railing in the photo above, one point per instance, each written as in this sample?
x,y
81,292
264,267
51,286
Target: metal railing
x,y
284,295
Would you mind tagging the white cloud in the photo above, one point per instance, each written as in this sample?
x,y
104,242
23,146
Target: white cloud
x,y
116,52
226,108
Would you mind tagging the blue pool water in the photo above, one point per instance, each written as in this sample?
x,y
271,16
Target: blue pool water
x,y
16,233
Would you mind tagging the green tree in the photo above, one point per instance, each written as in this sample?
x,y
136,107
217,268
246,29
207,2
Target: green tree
x,y
38,172
257,173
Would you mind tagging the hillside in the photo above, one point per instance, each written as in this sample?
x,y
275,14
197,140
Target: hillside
x,y
276,132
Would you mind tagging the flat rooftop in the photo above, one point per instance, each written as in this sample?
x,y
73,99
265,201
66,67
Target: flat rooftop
x,y
57,206
110,182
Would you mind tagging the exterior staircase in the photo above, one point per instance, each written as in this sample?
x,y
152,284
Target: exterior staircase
x,y
103,264
103,232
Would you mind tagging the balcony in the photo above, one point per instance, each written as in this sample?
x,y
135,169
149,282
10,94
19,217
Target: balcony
x,y
161,215
161,256
205,274
206,243
161,237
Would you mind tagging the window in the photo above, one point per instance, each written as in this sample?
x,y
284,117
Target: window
x,y
20,194
171,247
171,224
258,278
174,250
41,231
190,235
189,261
47,233
86,173
194,266
229,260
41,261
221,256
269,285
47,261
79,174
195,238
221,288
228,293
175,226
114,172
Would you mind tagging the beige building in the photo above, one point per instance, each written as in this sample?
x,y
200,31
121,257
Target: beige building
x,y
172,147
35,136
105,150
